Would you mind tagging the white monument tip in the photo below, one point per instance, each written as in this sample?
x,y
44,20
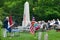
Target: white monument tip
x,y
26,2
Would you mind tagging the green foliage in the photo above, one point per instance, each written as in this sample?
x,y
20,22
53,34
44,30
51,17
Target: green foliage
x,y
41,9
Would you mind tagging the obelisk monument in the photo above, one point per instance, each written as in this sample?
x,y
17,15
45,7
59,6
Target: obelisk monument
x,y
26,15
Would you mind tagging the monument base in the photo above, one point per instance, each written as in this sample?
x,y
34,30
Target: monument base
x,y
25,23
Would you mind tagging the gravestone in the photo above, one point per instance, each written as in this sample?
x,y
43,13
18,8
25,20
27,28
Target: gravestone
x,y
39,35
46,36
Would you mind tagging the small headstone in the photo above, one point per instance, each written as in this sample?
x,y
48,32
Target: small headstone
x,y
39,35
46,36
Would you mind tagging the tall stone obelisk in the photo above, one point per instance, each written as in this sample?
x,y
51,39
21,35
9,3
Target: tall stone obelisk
x,y
26,15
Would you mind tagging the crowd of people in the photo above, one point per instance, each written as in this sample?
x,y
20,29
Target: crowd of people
x,y
47,25
8,23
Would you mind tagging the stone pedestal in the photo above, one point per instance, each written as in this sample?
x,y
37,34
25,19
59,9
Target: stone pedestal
x,y
25,23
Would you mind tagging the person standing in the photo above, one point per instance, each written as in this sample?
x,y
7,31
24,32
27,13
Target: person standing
x,y
32,29
11,25
5,26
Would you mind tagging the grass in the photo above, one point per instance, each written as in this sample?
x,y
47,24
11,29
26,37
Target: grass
x,y
52,35
20,36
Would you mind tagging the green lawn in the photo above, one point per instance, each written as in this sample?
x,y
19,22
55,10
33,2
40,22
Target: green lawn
x,y
52,35
21,36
